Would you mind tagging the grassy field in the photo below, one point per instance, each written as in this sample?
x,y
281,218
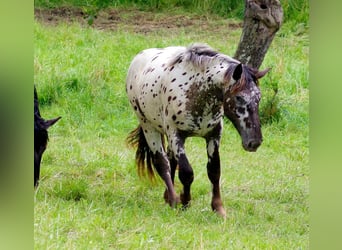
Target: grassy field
x,y
90,196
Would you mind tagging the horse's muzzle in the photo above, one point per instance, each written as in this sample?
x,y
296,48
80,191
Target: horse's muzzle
x,y
252,145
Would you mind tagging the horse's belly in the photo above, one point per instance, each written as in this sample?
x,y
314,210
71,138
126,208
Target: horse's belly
x,y
199,126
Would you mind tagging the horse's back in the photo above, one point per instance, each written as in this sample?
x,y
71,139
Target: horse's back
x,y
153,57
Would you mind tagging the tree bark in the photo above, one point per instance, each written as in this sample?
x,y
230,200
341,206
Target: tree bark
x,y
262,20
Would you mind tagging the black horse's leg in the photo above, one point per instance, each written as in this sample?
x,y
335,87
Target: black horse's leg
x,y
173,166
186,176
214,171
185,172
161,164
160,160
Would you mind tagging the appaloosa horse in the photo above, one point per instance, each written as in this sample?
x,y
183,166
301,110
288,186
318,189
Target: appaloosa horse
x,y
179,92
40,137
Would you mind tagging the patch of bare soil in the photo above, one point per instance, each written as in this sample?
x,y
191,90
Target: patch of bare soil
x,y
134,20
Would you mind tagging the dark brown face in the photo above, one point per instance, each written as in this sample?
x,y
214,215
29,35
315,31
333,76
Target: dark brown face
x,y
40,141
241,105
243,110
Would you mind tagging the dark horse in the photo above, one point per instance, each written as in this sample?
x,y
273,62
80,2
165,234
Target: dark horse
x,y
40,137
179,92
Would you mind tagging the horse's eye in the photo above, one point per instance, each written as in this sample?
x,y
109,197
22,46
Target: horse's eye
x,y
240,100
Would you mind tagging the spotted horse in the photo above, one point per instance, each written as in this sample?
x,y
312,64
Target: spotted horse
x,y
178,92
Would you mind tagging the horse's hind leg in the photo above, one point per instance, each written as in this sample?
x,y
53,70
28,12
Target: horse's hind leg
x,y
185,172
161,162
173,167
214,172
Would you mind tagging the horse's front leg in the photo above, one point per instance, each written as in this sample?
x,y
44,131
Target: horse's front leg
x,y
186,176
214,173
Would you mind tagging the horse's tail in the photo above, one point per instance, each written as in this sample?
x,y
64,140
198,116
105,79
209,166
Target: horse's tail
x,y
143,156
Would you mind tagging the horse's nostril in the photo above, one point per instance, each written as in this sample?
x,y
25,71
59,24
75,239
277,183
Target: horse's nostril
x,y
253,144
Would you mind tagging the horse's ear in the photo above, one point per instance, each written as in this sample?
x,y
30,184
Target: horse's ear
x,y
49,123
237,72
260,74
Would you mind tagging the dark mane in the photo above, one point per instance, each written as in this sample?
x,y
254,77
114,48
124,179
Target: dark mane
x,y
197,54
36,104
197,50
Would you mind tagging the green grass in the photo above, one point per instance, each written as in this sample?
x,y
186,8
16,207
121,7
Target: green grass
x,y
90,196
295,11
232,8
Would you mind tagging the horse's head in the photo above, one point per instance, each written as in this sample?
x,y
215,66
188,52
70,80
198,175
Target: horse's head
x,y
41,136
241,103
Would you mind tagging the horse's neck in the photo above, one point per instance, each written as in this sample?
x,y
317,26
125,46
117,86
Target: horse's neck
x,y
217,68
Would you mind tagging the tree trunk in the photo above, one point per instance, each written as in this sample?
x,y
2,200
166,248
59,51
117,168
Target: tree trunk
x,y
262,20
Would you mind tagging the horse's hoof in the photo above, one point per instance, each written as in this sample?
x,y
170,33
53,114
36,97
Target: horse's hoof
x,y
178,201
221,212
171,203
185,199
185,206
